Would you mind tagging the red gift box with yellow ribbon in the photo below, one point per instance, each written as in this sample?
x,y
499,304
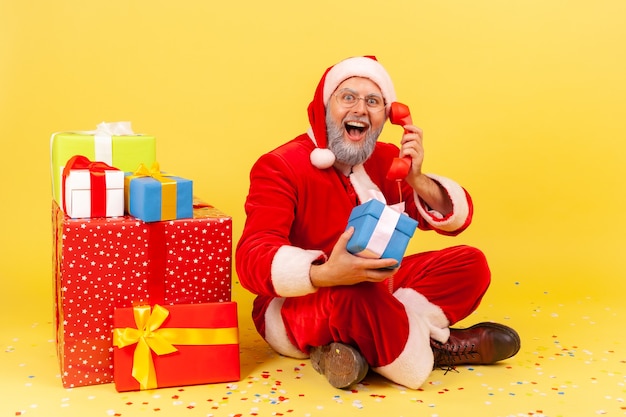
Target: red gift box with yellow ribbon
x,y
100,264
184,344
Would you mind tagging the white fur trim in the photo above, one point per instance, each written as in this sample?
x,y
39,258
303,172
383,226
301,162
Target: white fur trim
x,y
432,314
311,135
275,332
359,67
290,271
363,184
413,366
426,320
460,206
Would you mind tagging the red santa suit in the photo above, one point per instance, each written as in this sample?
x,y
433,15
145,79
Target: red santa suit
x,y
297,208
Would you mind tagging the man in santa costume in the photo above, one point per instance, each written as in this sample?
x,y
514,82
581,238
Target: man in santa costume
x,y
349,313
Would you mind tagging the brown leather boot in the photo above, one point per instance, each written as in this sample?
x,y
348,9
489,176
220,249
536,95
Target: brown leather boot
x,y
341,364
481,344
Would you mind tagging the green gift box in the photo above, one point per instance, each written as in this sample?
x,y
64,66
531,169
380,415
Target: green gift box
x,y
112,143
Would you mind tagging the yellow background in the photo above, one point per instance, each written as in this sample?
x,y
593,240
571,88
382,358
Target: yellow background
x,y
522,102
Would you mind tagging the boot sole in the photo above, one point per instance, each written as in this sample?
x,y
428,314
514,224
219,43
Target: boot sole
x,y
341,364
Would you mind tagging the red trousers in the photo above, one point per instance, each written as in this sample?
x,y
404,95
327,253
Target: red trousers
x,y
369,317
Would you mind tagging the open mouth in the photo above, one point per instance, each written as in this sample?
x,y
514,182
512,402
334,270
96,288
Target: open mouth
x,y
355,129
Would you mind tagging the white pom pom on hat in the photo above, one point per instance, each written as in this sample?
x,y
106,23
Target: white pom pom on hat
x,y
364,66
322,158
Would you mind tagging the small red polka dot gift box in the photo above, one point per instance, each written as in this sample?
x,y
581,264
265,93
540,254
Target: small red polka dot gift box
x,y
114,262
171,346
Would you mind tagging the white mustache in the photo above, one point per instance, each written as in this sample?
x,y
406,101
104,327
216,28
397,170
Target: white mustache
x,y
362,119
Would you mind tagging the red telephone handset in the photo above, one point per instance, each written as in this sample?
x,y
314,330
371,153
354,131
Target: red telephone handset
x,y
399,114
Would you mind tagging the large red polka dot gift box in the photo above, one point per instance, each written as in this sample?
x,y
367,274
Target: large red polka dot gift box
x,y
105,263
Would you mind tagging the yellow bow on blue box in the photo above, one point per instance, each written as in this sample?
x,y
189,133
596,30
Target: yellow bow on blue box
x,y
151,195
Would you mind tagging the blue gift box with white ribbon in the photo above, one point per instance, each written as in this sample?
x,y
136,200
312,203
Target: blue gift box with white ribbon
x,y
380,231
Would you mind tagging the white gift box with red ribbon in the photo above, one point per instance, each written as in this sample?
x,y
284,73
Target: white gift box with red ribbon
x,y
92,189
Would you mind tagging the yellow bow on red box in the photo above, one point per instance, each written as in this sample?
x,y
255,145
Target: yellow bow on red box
x,y
149,338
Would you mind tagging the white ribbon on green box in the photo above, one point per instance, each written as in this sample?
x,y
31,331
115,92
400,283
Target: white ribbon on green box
x,y
113,143
103,139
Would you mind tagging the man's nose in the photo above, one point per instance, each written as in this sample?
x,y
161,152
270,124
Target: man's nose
x,y
360,107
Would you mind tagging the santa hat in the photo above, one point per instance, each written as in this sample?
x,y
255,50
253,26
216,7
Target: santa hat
x,y
365,66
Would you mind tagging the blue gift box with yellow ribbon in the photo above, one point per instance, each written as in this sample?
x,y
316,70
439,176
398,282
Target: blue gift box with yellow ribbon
x,y
152,196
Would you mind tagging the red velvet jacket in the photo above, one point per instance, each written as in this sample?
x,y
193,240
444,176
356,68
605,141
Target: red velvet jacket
x,y
296,212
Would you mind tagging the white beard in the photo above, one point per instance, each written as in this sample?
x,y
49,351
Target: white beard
x,y
349,153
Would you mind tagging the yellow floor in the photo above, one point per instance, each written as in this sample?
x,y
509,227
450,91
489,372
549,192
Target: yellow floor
x,y
572,363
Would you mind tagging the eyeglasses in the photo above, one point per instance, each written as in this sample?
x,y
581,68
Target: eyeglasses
x,y
348,98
